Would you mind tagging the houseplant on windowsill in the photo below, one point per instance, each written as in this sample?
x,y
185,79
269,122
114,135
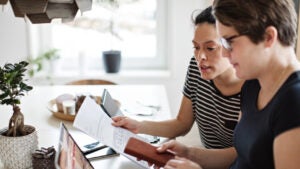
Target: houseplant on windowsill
x,y
112,60
38,63
18,141
47,59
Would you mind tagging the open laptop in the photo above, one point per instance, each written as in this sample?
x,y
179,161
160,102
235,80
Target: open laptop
x,y
69,155
73,156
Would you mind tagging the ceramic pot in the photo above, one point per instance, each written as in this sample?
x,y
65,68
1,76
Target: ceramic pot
x,y
112,61
16,151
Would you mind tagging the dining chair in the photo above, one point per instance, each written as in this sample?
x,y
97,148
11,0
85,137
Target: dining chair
x,y
91,82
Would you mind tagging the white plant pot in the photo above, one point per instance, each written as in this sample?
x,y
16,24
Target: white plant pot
x,y
16,151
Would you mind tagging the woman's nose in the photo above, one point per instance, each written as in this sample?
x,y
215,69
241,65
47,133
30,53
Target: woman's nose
x,y
201,56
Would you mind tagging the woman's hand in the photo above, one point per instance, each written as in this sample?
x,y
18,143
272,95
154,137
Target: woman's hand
x,y
179,150
175,147
127,123
181,163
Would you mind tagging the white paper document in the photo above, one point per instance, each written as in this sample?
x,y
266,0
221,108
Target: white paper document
x,y
92,120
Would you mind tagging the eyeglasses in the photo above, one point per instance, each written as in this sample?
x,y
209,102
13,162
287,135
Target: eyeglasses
x,y
226,42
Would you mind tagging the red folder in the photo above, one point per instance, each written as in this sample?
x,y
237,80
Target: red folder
x,y
145,151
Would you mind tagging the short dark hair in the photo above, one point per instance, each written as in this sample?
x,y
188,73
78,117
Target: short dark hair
x,y
204,16
252,17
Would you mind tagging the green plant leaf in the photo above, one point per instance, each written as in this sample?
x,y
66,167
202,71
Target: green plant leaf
x,y
36,64
9,66
7,101
4,95
24,63
12,83
31,73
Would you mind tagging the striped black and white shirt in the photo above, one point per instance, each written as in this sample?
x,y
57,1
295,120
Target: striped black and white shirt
x,y
216,115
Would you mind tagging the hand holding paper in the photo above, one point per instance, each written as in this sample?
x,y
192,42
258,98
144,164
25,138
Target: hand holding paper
x,y
92,120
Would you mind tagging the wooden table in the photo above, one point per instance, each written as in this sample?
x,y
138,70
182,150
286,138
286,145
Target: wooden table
x,y
34,107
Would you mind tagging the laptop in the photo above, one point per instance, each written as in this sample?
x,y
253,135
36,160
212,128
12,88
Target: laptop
x,y
69,155
73,156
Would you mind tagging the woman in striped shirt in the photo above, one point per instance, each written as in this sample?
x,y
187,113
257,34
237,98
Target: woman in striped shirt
x,y
211,94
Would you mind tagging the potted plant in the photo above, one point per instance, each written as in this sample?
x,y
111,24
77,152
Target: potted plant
x,y
37,64
111,58
45,61
18,141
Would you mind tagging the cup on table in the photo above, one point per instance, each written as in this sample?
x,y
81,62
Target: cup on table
x,y
69,107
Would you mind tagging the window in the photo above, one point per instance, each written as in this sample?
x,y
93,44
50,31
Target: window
x,y
135,28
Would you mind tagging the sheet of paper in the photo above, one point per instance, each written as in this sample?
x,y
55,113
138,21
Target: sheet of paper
x,y
92,120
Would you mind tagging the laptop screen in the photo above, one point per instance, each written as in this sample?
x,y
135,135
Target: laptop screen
x,y
69,155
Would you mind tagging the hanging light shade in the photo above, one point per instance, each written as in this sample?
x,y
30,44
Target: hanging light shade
x,y
3,2
84,5
15,9
62,1
61,10
31,6
38,18
43,11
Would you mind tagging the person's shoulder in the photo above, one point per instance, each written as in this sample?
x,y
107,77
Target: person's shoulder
x,y
293,82
294,77
193,68
291,87
193,61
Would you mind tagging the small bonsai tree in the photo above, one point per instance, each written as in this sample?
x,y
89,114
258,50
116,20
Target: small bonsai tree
x,y
13,87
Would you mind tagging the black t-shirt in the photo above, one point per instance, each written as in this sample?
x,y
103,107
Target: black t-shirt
x,y
255,133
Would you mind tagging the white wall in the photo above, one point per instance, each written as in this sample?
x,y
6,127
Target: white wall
x,y
181,32
14,47
13,38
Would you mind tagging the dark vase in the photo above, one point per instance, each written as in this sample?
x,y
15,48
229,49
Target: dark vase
x,y
112,61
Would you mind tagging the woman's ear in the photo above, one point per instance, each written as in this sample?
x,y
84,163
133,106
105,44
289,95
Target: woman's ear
x,y
270,36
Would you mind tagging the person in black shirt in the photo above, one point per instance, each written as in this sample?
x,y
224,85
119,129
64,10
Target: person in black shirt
x,y
258,37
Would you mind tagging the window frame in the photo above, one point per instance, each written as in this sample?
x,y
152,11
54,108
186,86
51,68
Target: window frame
x,y
40,41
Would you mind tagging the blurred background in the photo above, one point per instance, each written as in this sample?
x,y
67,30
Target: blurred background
x,y
154,38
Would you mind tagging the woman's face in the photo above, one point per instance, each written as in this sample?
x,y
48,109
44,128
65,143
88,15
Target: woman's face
x,y
245,56
208,53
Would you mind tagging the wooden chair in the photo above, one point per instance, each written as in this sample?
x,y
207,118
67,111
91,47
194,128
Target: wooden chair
x,y
91,82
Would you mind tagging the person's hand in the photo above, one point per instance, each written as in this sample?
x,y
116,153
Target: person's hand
x,y
127,123
181,163
175,147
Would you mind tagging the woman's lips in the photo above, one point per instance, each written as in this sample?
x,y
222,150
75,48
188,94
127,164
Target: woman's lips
x,y
204,68
234,65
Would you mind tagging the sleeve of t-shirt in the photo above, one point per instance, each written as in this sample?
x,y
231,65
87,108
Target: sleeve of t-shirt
x,y
187,85
288,115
